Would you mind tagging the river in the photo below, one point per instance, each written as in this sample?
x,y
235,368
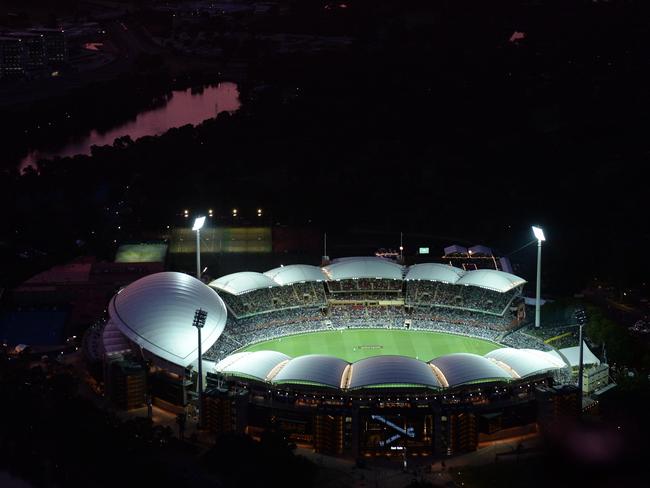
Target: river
x,y
183,107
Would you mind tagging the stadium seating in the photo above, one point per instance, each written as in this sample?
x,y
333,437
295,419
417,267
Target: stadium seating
x,y
432,293
267,300
240,332
267,313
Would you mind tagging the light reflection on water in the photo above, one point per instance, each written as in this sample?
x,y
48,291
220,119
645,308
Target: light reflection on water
x,y
183,107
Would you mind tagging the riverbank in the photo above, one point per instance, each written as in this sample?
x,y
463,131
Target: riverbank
x,y
175,109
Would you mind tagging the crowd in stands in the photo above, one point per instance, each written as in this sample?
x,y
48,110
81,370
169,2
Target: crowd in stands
x,y
462,317
455,328
427,293
570,340
558,337
366,296
521,340
367,316
265,300
240,332
365,284
276,312
423,296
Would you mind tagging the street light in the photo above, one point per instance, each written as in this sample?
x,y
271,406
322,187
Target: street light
x,y
198,223
539,235
200,317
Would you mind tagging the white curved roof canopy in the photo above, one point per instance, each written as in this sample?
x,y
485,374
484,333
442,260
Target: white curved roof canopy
x,y
526,362
363,267
491,279
245,281
314,368
450,370
257,364
573,355
228,360
296,273
461,368
157,311
434,272
391,370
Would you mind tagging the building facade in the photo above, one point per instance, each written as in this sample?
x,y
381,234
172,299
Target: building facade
x,y
382,421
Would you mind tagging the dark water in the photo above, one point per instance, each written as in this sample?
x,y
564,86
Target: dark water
x,y
182,108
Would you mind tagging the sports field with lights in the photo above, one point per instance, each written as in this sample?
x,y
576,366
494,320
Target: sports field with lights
x,y
355,344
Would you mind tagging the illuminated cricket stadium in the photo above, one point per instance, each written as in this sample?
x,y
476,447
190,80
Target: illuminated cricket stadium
x,y
360,357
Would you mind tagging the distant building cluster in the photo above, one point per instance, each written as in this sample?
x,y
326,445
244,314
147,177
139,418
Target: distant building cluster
x,y
32,50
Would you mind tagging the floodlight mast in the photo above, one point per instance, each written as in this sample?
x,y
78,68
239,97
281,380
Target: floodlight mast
x,y
200,317
581,368
539,235
581,364
198,224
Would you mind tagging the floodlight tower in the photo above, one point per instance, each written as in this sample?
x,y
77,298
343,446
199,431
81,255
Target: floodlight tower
x,y
198,223
539,235
582,319
200,317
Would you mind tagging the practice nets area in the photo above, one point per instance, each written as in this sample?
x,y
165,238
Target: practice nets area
x,y
355,344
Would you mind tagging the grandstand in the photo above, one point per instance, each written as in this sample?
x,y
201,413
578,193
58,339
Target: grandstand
x,y
350,286
294,286
363,293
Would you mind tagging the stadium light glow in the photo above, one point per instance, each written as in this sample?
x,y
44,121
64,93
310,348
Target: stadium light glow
x,y
538,233
198,223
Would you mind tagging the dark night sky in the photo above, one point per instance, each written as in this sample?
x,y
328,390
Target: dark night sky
x,y
430,122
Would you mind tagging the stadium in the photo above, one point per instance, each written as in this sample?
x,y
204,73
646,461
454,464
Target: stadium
x,y
360,357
